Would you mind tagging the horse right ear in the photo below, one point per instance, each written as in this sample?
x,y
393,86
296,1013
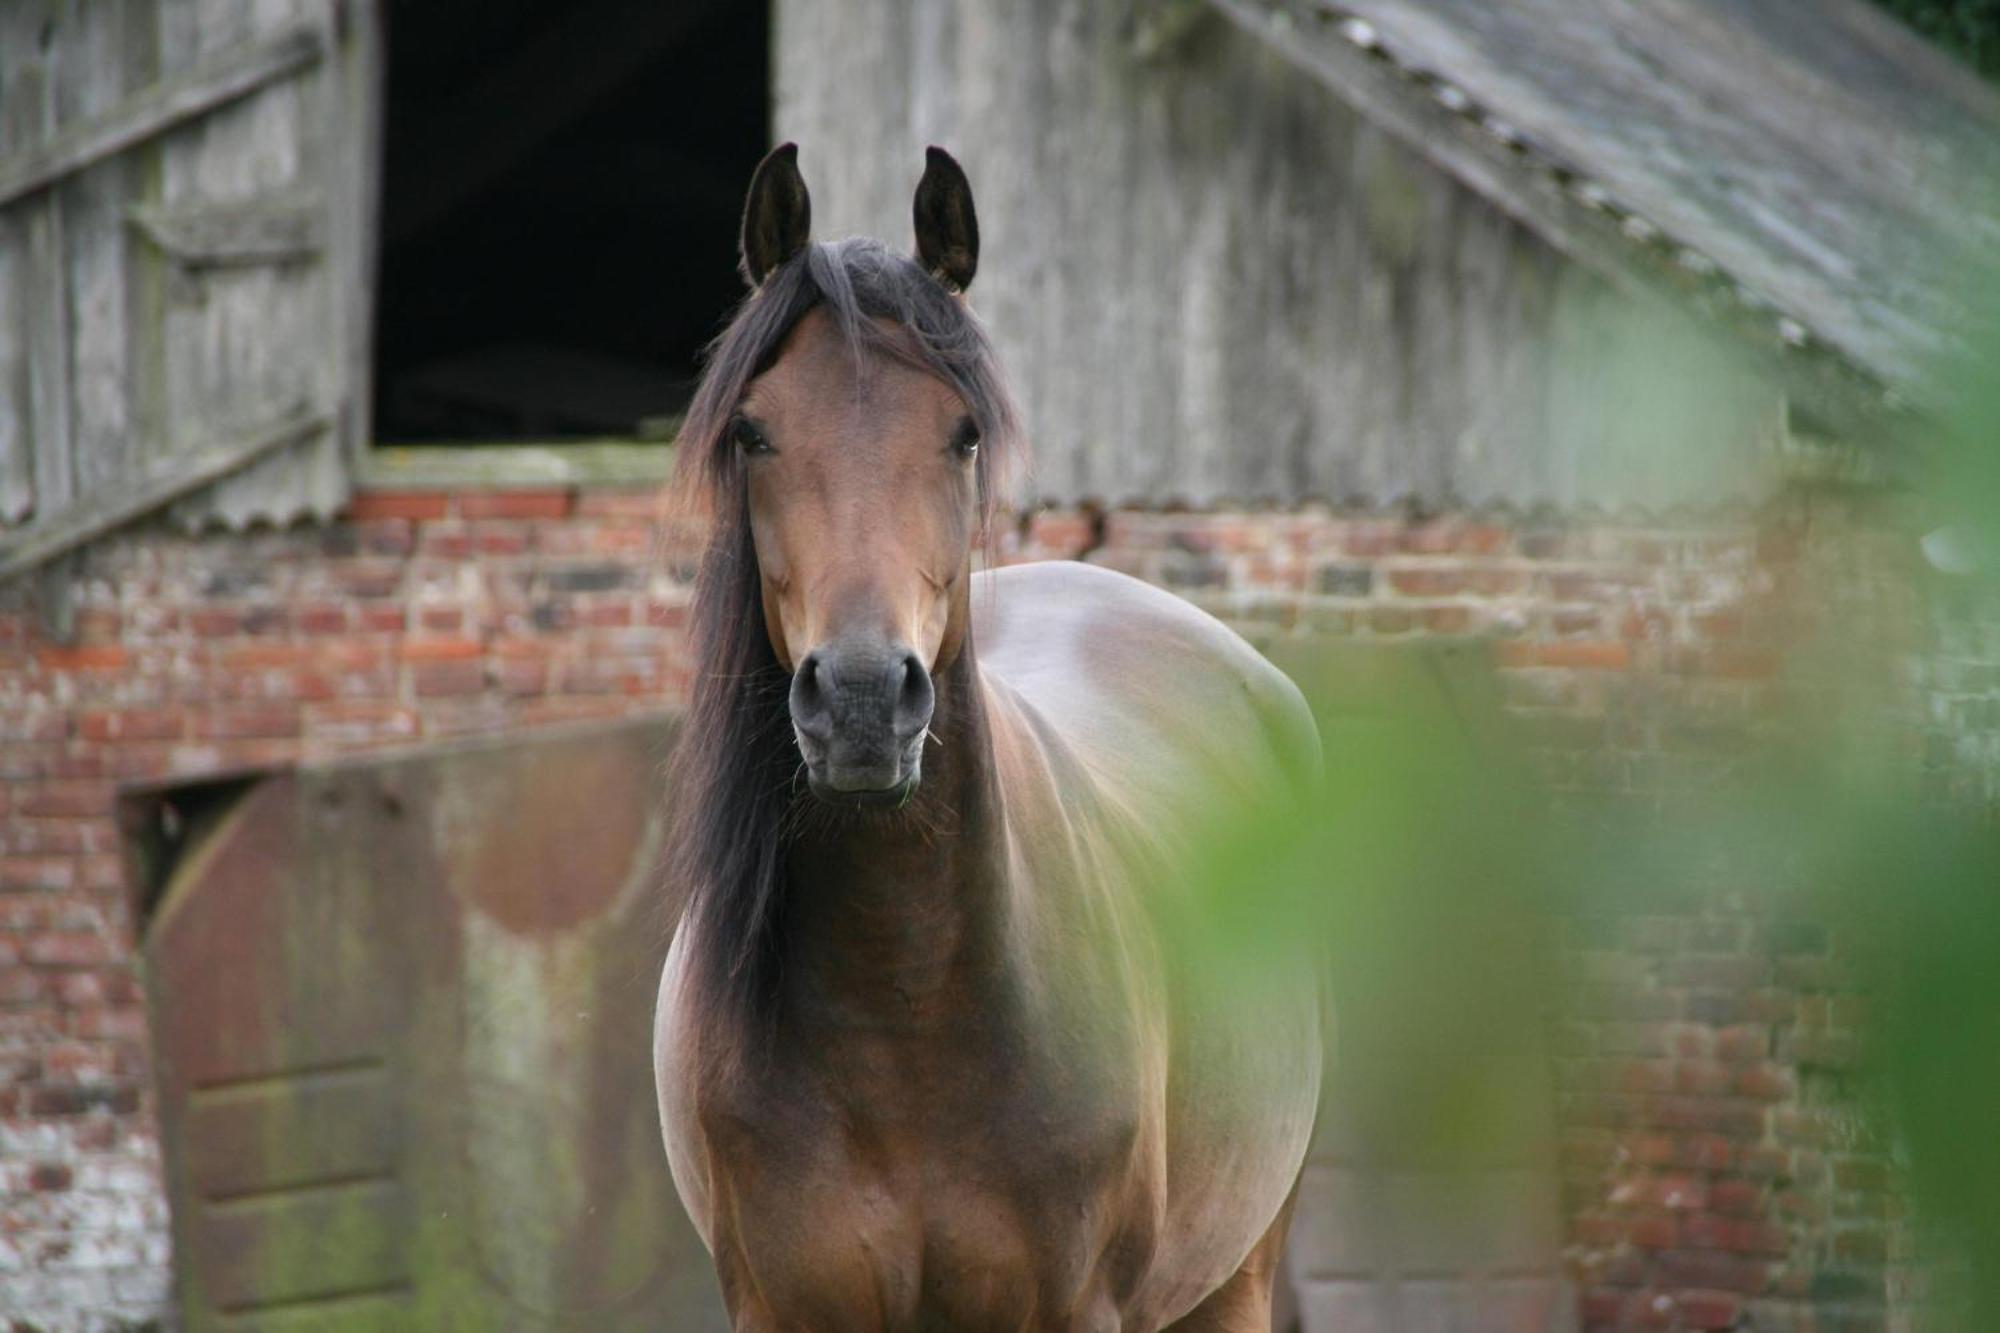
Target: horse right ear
x,y
777,217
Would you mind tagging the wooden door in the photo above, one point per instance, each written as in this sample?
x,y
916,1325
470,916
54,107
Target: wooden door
x,y
402,1013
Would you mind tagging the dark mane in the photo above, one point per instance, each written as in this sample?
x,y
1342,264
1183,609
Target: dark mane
x,y
733,768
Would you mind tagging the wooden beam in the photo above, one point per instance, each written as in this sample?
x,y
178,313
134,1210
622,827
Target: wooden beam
x,y
212,235
96,516
1539,199
232,73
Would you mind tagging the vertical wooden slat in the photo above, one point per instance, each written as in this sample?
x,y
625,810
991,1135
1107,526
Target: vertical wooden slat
x,y
20,119
46,295
92,80
266,335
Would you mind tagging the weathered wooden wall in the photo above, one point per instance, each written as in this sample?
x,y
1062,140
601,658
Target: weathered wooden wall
x,y
184,213
1212,280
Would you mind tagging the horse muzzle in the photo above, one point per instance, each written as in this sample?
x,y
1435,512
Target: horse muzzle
x,y
861,712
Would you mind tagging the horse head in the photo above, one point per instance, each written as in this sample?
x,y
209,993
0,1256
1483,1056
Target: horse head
x,y
856,439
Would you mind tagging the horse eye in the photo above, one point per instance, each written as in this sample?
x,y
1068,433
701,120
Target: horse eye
x,y
965,440
745,435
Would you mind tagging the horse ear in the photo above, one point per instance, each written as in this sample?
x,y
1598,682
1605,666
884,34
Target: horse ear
x,y
777,216
947,228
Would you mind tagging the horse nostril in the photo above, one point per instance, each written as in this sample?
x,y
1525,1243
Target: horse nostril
x,y
811,685
915,697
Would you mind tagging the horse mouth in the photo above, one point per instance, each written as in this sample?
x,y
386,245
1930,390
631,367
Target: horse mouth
x,y
870,798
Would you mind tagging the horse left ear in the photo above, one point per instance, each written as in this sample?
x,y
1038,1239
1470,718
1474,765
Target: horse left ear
x,y
777,217
947,228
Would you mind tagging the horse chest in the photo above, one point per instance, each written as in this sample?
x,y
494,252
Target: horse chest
x,y
928,1214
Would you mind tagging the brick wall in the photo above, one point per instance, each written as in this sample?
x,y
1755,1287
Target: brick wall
x,y
417,617
1708,1167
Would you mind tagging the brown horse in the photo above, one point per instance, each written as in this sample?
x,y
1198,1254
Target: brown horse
x,y
930,1053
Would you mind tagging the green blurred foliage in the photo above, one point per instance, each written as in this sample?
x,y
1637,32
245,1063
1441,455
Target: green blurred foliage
x,y
1440,876
1968,28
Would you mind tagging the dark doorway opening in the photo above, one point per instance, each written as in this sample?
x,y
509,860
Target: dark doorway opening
x,y
561,186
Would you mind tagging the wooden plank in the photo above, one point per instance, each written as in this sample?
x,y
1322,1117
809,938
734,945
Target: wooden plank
x,y
20,126
306,1245
47,293
50,374
183,473
94,70
352,185
284,1133
223,78
208,235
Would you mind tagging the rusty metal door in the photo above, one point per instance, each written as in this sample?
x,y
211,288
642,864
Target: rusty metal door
x,y
401,1012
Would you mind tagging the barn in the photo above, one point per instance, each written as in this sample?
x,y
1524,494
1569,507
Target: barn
x,y
1542,344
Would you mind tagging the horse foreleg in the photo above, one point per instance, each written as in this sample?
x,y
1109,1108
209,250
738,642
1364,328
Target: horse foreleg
x,y
1243,1303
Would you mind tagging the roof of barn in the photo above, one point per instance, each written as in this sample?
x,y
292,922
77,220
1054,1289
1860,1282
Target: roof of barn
x,y
1803,169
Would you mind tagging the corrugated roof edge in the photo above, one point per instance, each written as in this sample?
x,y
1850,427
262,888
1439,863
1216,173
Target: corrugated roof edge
x,y
1575,214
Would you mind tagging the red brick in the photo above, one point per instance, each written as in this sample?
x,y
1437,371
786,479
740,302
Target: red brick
x,y
1705,1152
158,724
1740,1045
1427,582
1738,1198
82,657
441,650
398,504
214,622
316,618
36,872
514,504
500,539
386,536
49,725
382,619
441,619
646,504
447,542
1446,619
1654,1231
71,949
521,678
59,800
447,677
1766,1082
1701,1078
249,721
264,657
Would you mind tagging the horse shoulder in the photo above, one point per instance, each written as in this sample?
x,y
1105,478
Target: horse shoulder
x,y
676,1047
1141,681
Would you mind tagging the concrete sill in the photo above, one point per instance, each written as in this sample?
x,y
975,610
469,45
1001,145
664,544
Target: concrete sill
x,y
608,464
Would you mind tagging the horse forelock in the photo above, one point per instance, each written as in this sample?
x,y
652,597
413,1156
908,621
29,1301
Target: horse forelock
x,y
733,775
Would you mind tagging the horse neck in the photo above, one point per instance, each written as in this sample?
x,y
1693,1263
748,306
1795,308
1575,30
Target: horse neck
x,y
898,920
